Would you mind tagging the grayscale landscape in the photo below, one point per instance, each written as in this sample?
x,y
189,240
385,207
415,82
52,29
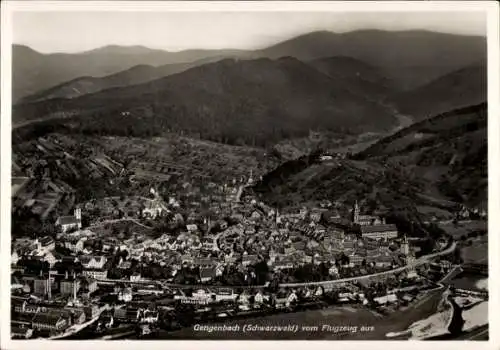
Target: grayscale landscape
x,y
332,185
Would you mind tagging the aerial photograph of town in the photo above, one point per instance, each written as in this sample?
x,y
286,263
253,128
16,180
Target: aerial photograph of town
x,y
249,176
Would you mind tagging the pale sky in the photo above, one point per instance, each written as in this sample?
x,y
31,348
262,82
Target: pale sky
x,y
49,32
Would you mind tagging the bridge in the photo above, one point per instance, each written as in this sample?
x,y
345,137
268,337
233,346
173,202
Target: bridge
x,y
329,284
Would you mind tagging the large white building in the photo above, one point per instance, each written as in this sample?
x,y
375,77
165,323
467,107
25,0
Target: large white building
x,y
379,231
68,223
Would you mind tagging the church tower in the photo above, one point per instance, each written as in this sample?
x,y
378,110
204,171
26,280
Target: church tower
x,y
250,178
409,258
405,247
355,213
277,217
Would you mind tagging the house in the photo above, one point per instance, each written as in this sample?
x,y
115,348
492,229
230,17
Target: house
x,y
91,311
77,316
149,316
125,295
259,298
226,294
70,286
187,259
284,264
208,243
223,224
14,257
42,286
75,243
47,244
386,299
88,285
49,258
47,322
249,260
136,276
219,270
207,274
255,215
98,274
385,232
332,271
108,321
284,300
92,262
18,304
316,215
204,263
192,227
383,261
356,260
21,332
68,223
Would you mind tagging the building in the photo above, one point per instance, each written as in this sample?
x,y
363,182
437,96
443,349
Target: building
x,y
21,332
207,274
77,316
92,262
249,260
364,220
43,286
47,244
68,223
91,311
95,273
47,322
75,243
14,258
125,295
135,277
386,299
225,295
384,232
70,286
49,258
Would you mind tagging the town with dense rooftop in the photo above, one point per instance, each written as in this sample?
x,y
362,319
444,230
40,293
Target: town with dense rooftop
x,y
154,264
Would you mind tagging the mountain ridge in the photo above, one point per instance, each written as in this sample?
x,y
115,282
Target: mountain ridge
x,y
408,57
231,98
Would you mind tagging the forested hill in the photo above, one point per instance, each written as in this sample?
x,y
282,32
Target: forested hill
x,y
461,88
257,102
424,170
448,151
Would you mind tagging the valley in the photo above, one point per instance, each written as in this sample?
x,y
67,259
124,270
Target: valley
x,y
329,176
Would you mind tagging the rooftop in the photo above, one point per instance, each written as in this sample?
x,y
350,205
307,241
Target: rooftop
x,y
378,228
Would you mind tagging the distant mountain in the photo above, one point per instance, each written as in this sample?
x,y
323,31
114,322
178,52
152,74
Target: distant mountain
x,y
360,77
410,58
425,169
133,76
236,101
33,71
461,88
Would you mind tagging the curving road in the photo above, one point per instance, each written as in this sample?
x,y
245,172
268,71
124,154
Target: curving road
x,y
420,261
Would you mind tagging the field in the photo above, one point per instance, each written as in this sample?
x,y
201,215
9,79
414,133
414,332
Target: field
x,y
18,183
107,229
164,155
464,228
477,252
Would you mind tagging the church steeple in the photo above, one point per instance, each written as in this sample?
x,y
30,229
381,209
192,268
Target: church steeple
x,y
355,212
